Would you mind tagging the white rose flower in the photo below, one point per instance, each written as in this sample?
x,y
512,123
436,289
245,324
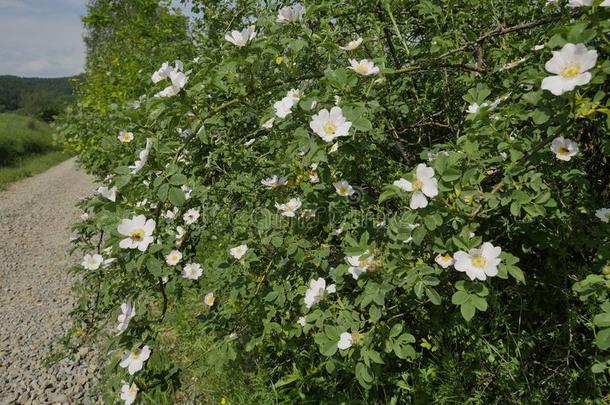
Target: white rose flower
x,y
603,213
209,299
173,258
570,66
129,393
134,361
291,13
290,208
606,3
92,261
108,193
345,341
139,232
125,137
178,80
351,45
241,38
139,164
364,67
187,191
162,73
301,321
359,265
478,263
268,124
343,188
192,271
315,292
564,149
171,214
191,216
424,185
128,311
284,106
274,181
330,125
579,3
444,260
180,232
239,251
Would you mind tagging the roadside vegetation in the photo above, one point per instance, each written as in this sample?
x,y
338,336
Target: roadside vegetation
x,y
27,146
358,202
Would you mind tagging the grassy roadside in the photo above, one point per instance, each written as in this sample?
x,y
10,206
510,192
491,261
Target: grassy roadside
x,y
29,166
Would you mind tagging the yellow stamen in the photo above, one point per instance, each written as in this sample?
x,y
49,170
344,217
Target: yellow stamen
x,y
417,185
137,235
563,151
571,71
330,128
362,69
478,261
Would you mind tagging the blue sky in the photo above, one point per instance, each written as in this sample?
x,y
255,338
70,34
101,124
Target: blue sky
x,y
41,38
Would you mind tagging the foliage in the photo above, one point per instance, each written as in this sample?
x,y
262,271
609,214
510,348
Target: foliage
x,y
407,330
30,166
42,98
22,136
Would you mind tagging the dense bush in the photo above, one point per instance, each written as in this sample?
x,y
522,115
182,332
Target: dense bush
x,y
295,214
22,136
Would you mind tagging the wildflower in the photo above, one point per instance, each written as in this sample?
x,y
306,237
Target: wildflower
x,y
570,66
138,231
173,258
268,124
192,271
564,149
178,80
330,125
128,311
165,71
315,292
187,191
344,189
92,261
180,232
241,38
346,341
209,299
364,67
284,106
129,393
606,3
125,137
139,164
444,260
238,251
351,45
478,263
134,361
291,13
289,209
313,175
301,321
579,3
171,214
274,181
359,265
108,193
191,216
603,213
424,185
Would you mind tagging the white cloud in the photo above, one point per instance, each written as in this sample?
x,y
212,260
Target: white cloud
x,y
41,38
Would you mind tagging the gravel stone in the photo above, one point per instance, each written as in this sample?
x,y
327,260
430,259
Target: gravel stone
x,y
35,219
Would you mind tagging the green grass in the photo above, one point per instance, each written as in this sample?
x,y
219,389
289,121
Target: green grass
x,y
22,136
29,166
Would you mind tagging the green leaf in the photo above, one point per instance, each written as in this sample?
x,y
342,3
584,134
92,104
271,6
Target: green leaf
x,y
178,179
602,340
602,320
176,197
460,297
467,310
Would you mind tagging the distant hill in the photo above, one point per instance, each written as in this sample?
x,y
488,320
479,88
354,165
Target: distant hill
x,y
35,96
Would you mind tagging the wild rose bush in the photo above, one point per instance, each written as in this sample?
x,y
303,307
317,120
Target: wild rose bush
x,y
376,202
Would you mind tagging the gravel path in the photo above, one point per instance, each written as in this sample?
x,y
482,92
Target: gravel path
x,y
35,296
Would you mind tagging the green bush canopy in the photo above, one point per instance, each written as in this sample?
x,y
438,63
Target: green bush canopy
x,y
359,202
